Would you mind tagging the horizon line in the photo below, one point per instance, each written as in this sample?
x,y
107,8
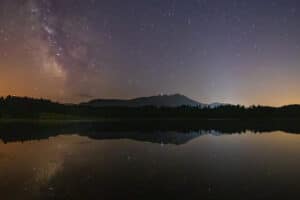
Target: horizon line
x,y
128,99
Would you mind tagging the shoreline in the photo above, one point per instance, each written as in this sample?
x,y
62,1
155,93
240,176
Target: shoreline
x,y
7,120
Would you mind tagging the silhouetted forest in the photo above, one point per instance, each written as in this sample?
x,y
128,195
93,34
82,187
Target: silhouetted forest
x,y
29,108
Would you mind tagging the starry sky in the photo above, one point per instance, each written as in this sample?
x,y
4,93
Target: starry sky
x,y
232,51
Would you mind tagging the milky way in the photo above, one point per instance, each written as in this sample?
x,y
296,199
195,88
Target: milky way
x,y
234,51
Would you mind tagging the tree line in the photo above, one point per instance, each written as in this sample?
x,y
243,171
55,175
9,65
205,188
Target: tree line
x,y
25,107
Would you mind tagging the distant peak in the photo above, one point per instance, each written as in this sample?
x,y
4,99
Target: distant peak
x,y
166,100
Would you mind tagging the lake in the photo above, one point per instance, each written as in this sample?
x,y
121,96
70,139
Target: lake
x,y
90,161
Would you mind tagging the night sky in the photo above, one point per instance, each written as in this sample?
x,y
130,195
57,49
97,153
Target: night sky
x,y
232,51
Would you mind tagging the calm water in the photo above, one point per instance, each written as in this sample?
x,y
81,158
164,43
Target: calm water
x,y
148,164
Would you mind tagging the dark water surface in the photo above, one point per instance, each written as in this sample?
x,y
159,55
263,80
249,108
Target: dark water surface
x,y
46,162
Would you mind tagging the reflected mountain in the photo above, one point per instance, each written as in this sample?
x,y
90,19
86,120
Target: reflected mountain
x,y
156,131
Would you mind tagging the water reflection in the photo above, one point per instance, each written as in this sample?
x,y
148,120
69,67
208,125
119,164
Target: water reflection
x,y
179,132
86,162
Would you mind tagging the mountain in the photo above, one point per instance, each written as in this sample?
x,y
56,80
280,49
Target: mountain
x,y
174,100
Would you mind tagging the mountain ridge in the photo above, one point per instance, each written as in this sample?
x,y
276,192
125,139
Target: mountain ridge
x,y
173,100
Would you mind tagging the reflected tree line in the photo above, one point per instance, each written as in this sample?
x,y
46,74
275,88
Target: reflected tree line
x,y
155,131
